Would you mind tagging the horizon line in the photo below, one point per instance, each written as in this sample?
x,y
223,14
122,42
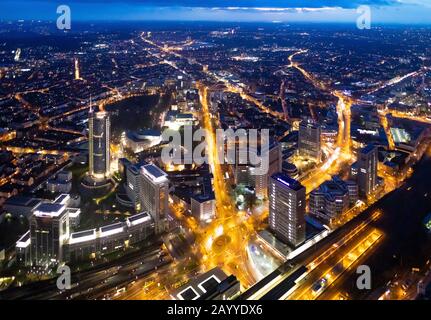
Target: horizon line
x,y
381,23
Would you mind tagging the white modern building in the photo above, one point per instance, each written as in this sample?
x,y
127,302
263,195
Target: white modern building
x,y
93,243
51,223
211,285
49,231
154,195
50,241
140,140
203,207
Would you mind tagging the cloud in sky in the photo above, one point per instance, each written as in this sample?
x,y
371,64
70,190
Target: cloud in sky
x,y
401,11
238,3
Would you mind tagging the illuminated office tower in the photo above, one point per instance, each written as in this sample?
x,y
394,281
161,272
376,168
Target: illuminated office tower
x,y
287,209
99,156
260,180
49,231
154,193
133,177
77,75
309,140
367,170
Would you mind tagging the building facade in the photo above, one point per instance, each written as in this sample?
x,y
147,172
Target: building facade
x,y
203,207
309,144
133,185
367,170
332,198
253,176
287,209
211,285
154,195
49,241
93,243
49,230
99,143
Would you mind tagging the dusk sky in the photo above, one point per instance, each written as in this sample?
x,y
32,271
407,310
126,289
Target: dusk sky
x,y
383,11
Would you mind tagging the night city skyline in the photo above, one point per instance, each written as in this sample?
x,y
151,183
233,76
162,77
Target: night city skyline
x,y
241,151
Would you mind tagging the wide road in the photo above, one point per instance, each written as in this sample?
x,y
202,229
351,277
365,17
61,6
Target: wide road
x,y
224,241
101,278
341,155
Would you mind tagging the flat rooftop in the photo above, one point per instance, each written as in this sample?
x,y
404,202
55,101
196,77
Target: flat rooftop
x,y
154,172
49,209
200,285
139,218
111,229
368,149
82,236
288,181
24,241
62,198
203,197
22,201
184,116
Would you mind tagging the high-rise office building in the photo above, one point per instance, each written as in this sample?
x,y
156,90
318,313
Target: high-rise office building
x,y
353,189
123,164
133,184
257,176
99,137
77,74
367,170
259,179
154,193
287,209
309,140
332,198
49,231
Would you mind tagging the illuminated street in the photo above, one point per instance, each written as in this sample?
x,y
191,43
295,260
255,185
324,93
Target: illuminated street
x,y
215,151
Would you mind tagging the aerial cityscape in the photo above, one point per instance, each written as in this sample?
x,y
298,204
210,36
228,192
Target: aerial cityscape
x,y
233,150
